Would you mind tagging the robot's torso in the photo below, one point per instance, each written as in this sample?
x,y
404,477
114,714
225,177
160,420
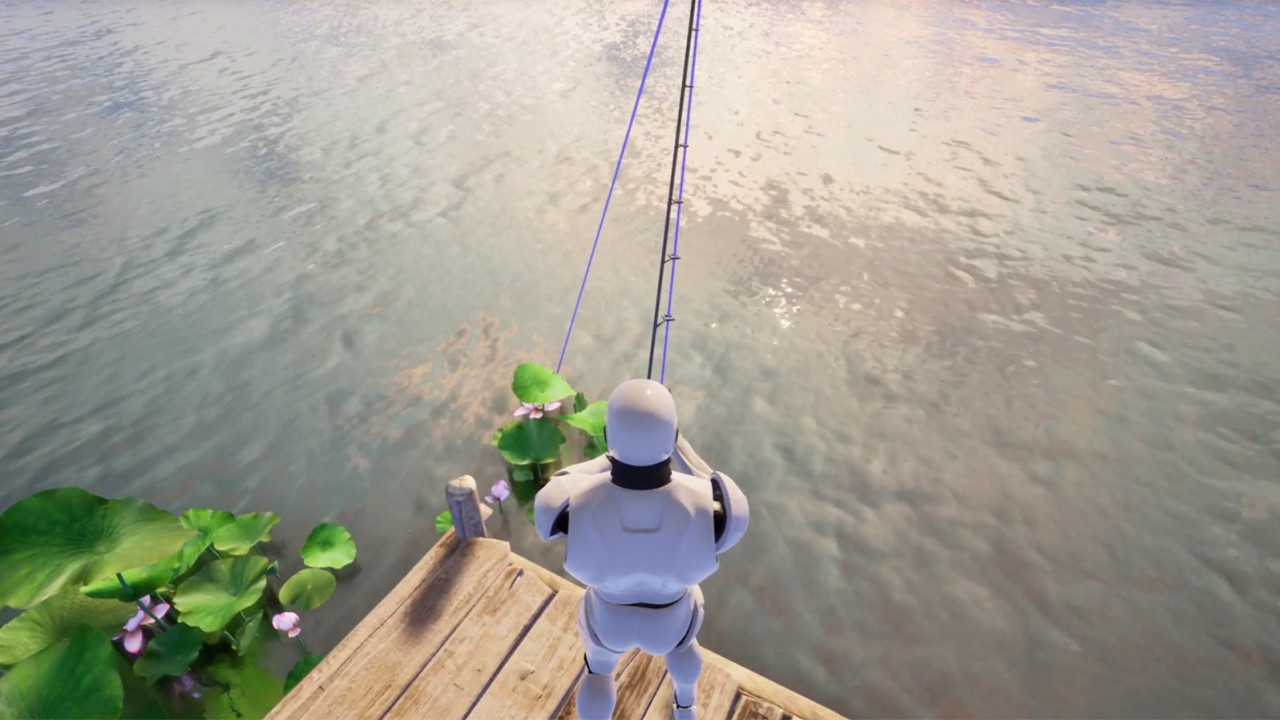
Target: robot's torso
x,y
645,547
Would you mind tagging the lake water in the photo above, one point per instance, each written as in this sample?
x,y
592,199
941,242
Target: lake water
x,y
979,302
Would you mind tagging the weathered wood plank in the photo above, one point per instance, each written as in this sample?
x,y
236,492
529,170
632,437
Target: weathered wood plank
x,y
638,676
789,700
464,507
751,707
298,702
716,691
372,676
448,685
536,678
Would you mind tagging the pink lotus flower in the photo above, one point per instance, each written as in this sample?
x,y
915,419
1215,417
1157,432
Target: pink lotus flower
x,y
499,492
535,411
287,622
133,637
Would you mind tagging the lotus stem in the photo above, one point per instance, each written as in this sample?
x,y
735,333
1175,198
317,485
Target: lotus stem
x,y
164,627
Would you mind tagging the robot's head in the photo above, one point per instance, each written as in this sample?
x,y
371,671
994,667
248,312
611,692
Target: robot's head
x,y
641,422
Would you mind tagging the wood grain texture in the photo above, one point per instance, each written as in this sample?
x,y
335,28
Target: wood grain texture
x,y
638,676
750,707
792,702
464,507
448,637
447,686
298,702
716,691
373,675
536,678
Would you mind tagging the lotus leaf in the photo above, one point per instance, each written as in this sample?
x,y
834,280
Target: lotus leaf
x,y
57,619
595,447
249,689
248,632
444,521
68,536
299,670
74,679
210,598
248,530
308,588
538,384
529,442
329,546
141,581
590,419
170,652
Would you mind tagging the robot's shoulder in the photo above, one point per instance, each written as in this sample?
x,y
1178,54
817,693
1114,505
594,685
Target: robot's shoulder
x,y
734,513
551,504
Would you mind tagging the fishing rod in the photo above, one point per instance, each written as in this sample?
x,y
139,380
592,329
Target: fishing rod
x,y
679,153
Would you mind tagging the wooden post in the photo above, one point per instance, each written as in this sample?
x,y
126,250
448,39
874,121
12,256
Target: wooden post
x,y
464,506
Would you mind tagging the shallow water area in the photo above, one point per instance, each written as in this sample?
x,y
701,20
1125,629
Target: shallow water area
x,y
979,302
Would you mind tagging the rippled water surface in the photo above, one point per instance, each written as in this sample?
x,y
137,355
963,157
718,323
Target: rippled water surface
x,y
979,301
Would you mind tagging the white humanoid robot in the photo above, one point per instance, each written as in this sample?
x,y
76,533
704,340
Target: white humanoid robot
x,y
645,524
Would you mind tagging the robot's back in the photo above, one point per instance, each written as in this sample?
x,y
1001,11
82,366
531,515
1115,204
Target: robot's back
x,y
641,546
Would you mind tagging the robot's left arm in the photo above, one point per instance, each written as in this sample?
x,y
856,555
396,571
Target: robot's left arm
x,y
731,521
551,507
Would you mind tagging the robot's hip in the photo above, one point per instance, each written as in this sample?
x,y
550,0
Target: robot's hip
x,y
656,630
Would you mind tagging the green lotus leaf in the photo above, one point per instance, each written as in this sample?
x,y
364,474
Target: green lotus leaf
x,y
74,679
249,689
210,598
68,536
142,702
329,546
524,487
248,530
523,473
531,442
444,521
248,631
580,402
590,419
595,447
57,619
206,521
170,653
299,670
141,581
538,384
308,588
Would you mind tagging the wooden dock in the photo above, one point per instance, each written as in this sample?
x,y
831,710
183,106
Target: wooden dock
x,y
475,631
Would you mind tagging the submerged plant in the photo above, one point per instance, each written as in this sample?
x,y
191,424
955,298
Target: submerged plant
x,y
183,598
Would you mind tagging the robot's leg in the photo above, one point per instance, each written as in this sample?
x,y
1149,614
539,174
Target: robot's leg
x,y
596,692
684,666
684,663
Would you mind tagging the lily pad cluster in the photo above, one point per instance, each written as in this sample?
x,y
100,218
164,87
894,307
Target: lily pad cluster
x,y
132,611
533,445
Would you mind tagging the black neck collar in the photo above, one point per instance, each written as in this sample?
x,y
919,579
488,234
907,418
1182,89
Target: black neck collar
x,y
634,477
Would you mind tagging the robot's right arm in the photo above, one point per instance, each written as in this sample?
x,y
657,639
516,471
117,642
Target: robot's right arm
x,y
551,507
731,521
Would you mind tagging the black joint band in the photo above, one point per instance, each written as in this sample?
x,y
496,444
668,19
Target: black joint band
x,y
673,256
